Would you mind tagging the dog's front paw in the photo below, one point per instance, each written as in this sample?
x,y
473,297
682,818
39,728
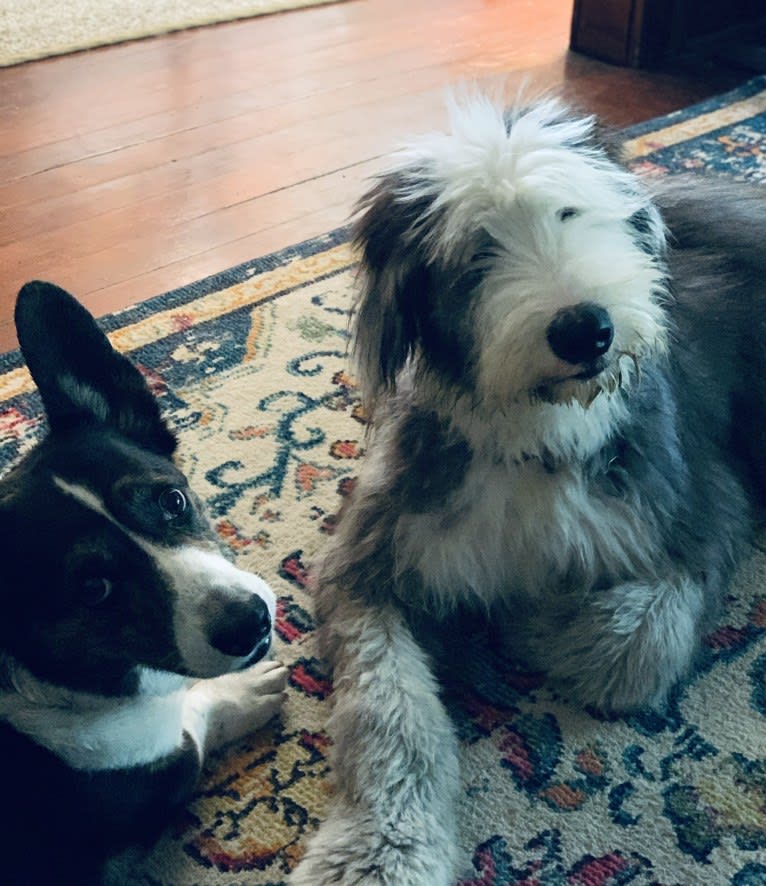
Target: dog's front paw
x,y
629,647
234,705
352,849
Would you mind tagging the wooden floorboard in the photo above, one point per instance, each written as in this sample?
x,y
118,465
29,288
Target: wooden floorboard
x,y
130,170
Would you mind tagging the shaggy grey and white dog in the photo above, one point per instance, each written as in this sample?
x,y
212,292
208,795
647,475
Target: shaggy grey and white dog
x,y
566,371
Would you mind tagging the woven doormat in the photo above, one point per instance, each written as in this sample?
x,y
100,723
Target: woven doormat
x,y
32,29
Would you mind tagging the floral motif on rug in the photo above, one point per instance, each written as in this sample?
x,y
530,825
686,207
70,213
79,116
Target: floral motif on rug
x,y
250,367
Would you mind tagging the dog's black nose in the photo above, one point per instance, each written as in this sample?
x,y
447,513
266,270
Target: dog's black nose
x,y
241,626
581,334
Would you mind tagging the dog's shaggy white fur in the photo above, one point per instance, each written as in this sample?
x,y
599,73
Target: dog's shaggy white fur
x,y
565,370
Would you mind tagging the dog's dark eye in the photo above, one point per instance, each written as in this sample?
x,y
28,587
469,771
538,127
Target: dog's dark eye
x,y
483,256
567,212
95,590
173,503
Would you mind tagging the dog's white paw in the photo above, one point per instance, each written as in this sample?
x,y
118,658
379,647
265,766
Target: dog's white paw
x,y
352,849
236,704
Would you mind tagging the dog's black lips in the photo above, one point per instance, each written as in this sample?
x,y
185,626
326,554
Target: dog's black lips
x,y
591,370
260,651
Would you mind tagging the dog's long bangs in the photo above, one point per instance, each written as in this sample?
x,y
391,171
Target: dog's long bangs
x,y
485,119
456,182
529,258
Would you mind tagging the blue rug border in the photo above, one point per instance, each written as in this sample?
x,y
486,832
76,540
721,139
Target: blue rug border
x,y
746,90
176,298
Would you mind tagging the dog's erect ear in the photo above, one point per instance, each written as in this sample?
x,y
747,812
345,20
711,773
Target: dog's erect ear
x,y
389,231
81,378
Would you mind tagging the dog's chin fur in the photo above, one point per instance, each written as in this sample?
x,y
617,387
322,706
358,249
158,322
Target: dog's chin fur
x,y
583,387
599,507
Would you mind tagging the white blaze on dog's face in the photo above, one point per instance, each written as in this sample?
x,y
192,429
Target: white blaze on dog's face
x,y
513,256
221,615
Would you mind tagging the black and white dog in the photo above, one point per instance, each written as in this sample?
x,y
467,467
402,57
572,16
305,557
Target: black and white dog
x,y
566,370
114,595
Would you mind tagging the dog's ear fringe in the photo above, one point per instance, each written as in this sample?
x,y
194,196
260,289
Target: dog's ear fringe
x,y
392,262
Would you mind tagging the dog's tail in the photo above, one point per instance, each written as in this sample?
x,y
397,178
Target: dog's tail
x,y
392,819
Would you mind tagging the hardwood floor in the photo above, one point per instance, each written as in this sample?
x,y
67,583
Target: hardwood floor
x,y
133,169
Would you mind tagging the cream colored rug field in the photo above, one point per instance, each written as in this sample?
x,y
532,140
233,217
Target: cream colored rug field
x,y
32,29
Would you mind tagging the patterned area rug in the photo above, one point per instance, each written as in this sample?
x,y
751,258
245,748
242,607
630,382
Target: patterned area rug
x,y
31,29
250,367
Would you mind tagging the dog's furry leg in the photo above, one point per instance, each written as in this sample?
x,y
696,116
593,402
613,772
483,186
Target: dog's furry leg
x,y
223,709
395,759
629,645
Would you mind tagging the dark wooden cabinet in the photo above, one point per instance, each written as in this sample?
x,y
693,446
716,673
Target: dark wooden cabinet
x,y
644,33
